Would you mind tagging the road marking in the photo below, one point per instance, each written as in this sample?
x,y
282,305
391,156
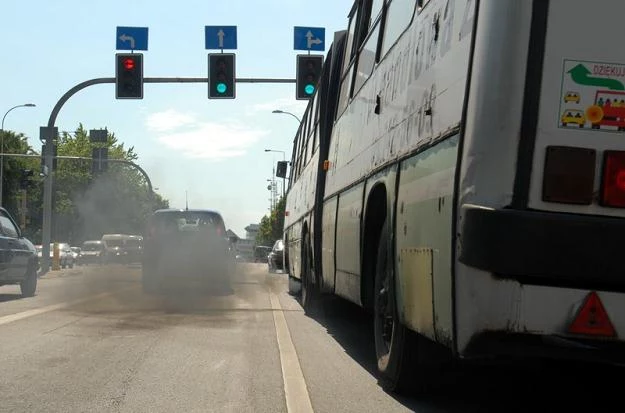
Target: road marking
x,y
295,390
36,311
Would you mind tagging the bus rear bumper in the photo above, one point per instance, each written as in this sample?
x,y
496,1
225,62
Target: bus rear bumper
x,y
496,316
547,248
489,345
523,276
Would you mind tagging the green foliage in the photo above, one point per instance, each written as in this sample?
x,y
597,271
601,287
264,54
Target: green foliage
x,y
271,227
15,143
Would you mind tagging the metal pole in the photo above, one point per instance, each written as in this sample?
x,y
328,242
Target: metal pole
x,y
288,113
283,179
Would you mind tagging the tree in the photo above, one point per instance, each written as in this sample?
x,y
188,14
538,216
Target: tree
x,y
13,166
271,227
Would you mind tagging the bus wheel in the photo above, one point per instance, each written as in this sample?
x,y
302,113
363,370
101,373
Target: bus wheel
x,y
398,350
309,287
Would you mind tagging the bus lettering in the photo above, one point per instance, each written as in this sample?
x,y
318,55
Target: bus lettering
x,y
608,70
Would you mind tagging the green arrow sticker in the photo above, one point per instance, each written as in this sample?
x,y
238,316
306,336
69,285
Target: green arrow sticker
x,y
581,75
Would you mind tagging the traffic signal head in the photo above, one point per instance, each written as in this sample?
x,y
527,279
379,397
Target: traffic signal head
x,y
221,76
281,169
25,181
129,76
308,72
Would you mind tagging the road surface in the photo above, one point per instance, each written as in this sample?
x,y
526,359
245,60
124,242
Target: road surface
x,y
91,341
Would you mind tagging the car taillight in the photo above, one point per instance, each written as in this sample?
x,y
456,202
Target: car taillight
x,y
569,175
613,180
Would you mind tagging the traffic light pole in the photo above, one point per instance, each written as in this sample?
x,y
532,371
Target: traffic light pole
x,y
49,134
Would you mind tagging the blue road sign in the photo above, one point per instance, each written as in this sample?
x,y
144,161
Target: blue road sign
x,y
132,38
309,38
220,37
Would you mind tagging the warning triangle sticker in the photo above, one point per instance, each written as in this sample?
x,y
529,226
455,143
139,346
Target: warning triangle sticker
x,y
592,319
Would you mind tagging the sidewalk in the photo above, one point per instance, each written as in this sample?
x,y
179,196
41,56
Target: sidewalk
x,y
62,273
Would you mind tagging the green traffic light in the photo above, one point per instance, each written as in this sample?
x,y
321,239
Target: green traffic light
x,y
221,88
309,89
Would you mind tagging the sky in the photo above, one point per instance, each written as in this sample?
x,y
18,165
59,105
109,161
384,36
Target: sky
x,y
211,149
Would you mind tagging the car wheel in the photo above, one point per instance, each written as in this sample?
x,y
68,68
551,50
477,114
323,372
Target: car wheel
x,y
29,284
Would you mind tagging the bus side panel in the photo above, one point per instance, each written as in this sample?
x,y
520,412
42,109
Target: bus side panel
x,y
424,240
299,204
294,237
348,243
328,244
489,155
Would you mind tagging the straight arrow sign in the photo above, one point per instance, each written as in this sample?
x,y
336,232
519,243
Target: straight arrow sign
x,y
220,35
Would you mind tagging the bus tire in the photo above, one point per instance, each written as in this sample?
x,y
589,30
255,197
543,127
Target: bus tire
x,y
398,349
310,290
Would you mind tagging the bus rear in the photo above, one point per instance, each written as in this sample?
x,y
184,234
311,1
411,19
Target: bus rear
x,y
541,185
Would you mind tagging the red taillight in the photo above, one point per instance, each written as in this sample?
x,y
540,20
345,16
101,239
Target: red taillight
x,y
592,319
613,182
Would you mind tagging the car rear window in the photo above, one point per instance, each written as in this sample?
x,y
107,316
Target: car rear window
x,y
187,221
91,247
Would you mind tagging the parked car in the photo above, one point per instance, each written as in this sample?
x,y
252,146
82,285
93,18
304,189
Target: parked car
x,y
18,256
275,258
186,247
77,255
66,256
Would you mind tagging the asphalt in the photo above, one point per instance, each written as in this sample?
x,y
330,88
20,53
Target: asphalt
x,y
91,340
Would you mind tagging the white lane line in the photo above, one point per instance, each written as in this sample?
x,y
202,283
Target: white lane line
x,y
36,311
295,390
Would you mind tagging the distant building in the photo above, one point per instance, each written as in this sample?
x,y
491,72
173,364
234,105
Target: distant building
x,y
252,231
230,234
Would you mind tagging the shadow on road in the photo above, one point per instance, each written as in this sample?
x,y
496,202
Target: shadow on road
x,y
509,386
10,297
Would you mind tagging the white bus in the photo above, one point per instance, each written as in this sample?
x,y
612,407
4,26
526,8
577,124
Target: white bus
x,y
460,173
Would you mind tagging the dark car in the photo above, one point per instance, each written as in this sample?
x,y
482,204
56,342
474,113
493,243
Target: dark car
x,y
275,258
186,247
93,252
261,253
18,257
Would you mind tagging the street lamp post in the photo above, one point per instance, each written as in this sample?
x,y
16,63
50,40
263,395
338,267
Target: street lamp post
x,y
283,159
25,105
288,113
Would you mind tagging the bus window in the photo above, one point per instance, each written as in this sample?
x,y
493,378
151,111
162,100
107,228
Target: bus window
x,y
345,94
366,60
376,8
398,17
351,32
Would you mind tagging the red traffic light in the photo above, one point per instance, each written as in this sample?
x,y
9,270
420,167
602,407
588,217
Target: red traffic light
x,y
129,63
129,76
